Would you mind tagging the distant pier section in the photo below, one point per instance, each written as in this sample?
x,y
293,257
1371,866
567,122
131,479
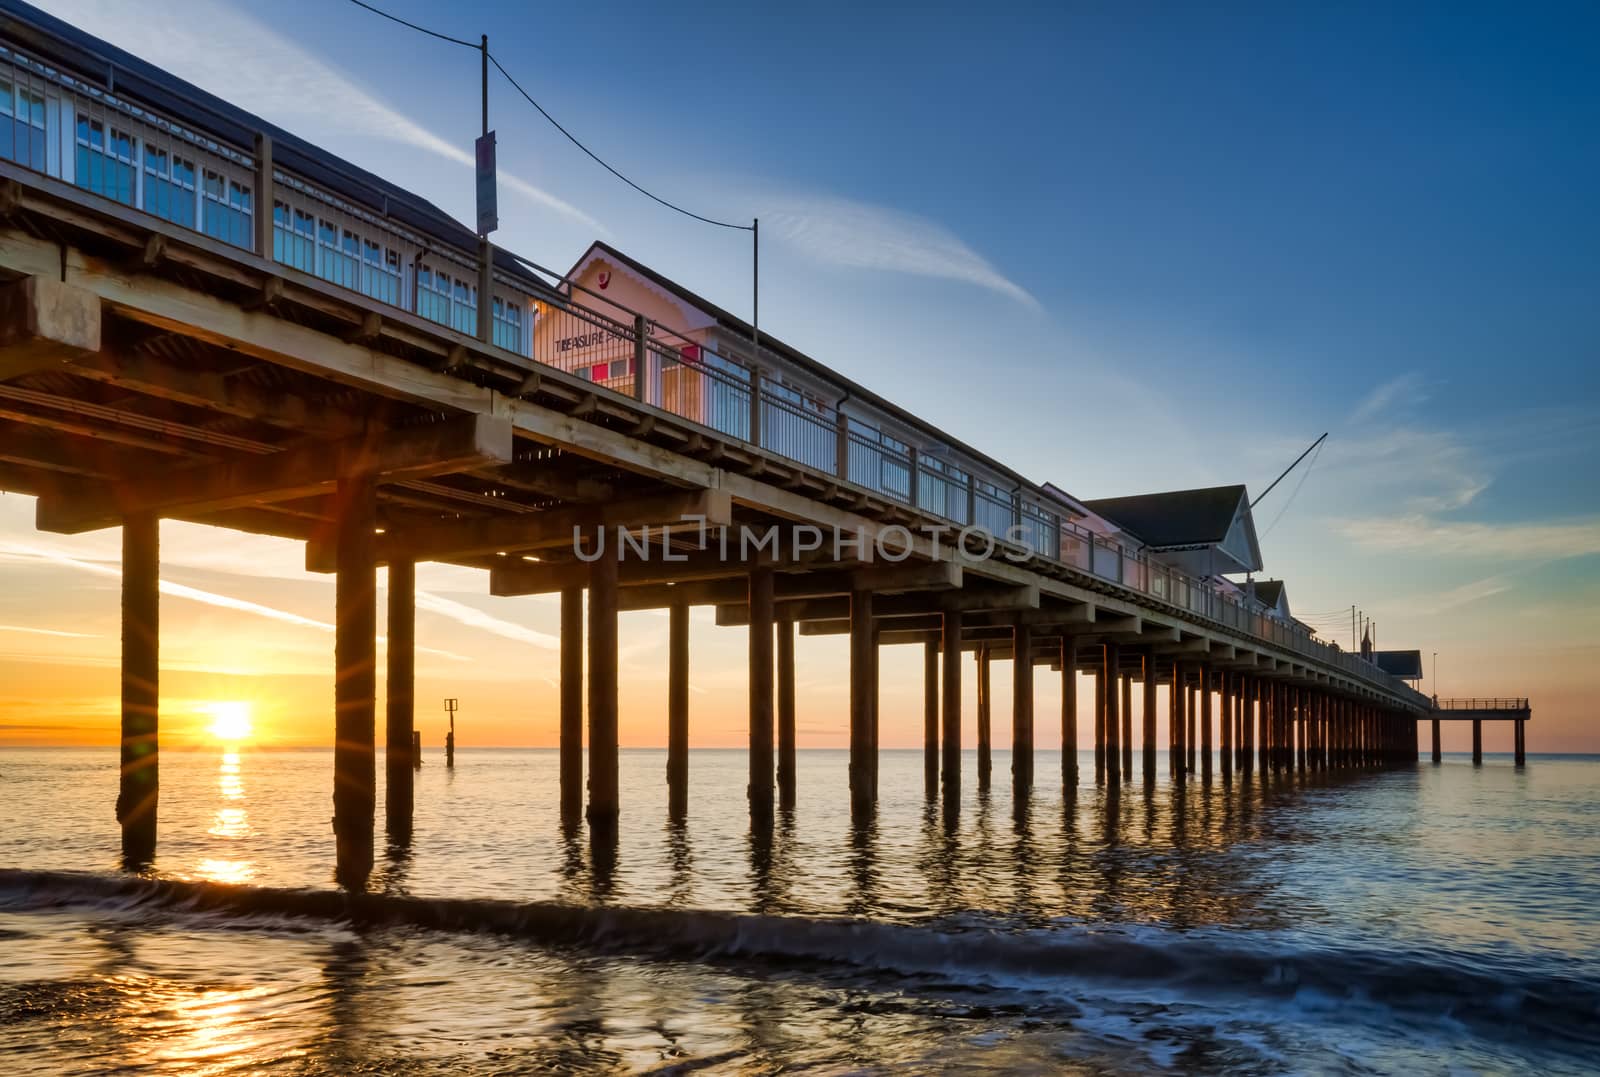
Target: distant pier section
x,y
1478,711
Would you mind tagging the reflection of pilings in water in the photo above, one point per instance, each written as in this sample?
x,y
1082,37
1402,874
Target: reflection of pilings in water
x,y
680,862
863,898
602,860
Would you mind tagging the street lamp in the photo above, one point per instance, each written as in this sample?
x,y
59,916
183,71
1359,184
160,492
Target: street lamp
x,y
1436,676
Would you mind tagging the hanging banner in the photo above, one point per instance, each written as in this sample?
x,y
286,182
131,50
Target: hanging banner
x,y
488,211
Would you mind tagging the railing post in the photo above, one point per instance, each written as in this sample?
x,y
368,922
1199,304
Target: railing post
x,y
264,199
841,440
755,405
641,356
972,498
911,481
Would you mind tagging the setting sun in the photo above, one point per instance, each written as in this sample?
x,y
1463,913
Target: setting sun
x,y
229,720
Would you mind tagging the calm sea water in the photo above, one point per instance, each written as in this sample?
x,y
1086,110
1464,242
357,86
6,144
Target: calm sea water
x,y
1438,920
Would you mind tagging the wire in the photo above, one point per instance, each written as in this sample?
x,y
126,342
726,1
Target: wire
x,y
596,158
1303,476
474,45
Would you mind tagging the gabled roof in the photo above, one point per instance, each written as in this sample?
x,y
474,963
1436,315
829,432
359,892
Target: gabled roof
x,y
1268,592
1189,520
1407,665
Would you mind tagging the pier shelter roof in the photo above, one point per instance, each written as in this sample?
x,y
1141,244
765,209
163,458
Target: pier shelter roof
x,y
1407,665
1208,531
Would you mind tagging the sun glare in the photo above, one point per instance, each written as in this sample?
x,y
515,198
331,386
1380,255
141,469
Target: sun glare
x,y
229,720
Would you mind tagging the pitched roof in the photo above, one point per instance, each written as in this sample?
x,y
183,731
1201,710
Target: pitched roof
x,y
1407,665
1176,518
1268,592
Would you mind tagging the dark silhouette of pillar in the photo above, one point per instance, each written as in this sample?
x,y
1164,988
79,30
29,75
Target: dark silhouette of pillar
x,y
863,700
1112,679
1148,706
1127,725
1521,744
139,787
400,690
1100,721
677,709
786,713
1205,722
604,802
930,718
1436,750
355,775
985,717
1175,724
951,670
571,731
1477,742
759,788
1021,709
1069,712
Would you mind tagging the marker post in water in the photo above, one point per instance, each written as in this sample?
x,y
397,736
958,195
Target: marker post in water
x,y
450,706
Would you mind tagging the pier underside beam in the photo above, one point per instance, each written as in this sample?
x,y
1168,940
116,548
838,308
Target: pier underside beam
x,y
604,804
677,710
140,783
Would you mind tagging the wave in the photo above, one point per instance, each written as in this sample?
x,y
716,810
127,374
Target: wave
x,y
1148,964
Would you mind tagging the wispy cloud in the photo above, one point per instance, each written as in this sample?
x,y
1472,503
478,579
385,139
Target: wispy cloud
x,y
1426,471
476,618
1408,388
238,58
1549,540
47,632
838,231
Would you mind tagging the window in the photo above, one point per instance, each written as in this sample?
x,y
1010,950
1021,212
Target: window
x,y
380,272
464,318
336,260
293,236
507,325
226,208
169,186
21,125
433,295
105,160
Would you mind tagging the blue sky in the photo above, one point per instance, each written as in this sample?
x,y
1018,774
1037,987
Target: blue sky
x,y
1122,249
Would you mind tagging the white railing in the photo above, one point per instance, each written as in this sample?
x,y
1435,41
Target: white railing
x,y
79,133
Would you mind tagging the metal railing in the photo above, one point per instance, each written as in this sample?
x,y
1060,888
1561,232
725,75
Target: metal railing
x,y
74,131
1480,704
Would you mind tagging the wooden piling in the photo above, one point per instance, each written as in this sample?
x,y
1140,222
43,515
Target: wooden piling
x,y
400,698
985,688
1021,710
678,709
786,714
356,680
604,802
1127,725
1225,690
863,699
930,719
1112,679
1100,722
1191,740
1205,723
1176,723
950,771
762,616
1477,742
139,786
1148,716
1069,712
1520,747
571,718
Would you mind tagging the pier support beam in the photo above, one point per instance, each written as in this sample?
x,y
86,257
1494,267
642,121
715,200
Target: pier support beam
x,y
400,707
356,679
1021,710
1477,742
1175,725
1148,716
1225,690
604,803
762,616
1069,712
1520,746
950,771
571,732
1100,722
985,717
786,713
930,718
863,700
1436,751
1205,723
1127,726
677,707
1112,679
139,787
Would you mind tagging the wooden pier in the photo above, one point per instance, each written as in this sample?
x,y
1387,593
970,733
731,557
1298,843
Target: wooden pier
x,y
292,367
1478,711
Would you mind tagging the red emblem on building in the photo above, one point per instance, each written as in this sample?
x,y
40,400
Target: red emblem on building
x,y
605,279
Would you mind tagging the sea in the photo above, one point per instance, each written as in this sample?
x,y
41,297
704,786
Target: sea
x,y
1437,919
